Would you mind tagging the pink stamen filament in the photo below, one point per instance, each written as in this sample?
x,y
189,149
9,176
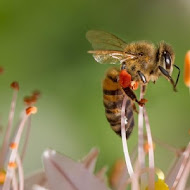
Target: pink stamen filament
x,y
141,153
150,152
13,152
137,174
124,142
26,138
186,157
8,129
20,172
167,146
184,178
14,181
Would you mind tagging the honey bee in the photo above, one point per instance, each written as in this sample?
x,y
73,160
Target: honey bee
x,y
140,62
113,98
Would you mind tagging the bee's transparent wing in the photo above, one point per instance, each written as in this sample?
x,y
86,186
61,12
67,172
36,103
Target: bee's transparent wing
x,y
108,48
101,40
111,57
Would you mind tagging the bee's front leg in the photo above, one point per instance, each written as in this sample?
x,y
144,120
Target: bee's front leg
x,y
132,95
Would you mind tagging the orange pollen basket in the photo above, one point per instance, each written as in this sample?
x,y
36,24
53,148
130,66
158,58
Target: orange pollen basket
x,y
124,79
31,110
15,85
13,145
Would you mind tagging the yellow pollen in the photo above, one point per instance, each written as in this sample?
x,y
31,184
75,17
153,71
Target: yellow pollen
x,y
2,176
160,185
31,110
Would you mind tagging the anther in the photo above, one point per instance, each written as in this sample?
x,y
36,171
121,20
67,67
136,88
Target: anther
x,y
36,94
2,176
13,145
33,99
12,165
15,85
27,100
147,147
31,110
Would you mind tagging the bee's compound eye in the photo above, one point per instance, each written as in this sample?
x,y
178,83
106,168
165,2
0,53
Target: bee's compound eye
x,y
167,59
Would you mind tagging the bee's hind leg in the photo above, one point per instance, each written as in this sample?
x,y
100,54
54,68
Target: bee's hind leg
x,y
132,95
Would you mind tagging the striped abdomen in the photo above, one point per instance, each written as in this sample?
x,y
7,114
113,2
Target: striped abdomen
x,y
113,98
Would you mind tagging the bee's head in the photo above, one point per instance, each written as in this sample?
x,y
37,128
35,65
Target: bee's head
x,y
165,58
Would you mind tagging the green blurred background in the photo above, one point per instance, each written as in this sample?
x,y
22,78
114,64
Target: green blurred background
x,y
43,46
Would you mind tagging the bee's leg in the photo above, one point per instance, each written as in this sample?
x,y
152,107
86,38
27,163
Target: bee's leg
x,y
135,108
132,95
123,66
167,75
177,75
141,75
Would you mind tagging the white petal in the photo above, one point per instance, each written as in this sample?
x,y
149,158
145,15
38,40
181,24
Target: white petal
x,y
38,178
64,173
37,187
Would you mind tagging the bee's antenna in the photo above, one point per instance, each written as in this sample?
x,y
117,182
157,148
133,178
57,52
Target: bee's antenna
x,y
177,75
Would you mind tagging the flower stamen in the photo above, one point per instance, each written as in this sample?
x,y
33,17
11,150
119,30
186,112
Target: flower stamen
x,y
31,110
4,147
13,145
15,85
12,165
